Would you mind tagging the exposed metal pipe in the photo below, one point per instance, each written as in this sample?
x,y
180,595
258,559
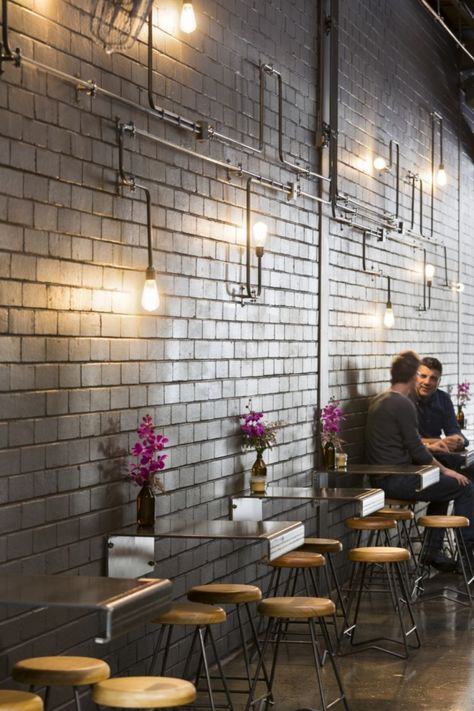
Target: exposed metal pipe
x,y
6,54
288,189
439,19
169,116
261,119
333,101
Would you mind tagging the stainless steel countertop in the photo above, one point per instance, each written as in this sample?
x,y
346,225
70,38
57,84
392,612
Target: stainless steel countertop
x,y
121,603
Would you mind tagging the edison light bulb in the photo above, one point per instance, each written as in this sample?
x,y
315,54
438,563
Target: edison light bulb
x,y
441,176
150,296
380,163
188,18
388,317
429,273
259,234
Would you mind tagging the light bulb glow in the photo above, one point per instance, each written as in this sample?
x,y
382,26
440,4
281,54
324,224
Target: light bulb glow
x,y
388,317
259,232
380,163
187,22
441,176
429,272
458,286
150,295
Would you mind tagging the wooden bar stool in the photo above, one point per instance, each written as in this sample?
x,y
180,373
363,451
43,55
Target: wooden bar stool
x,y
11,700
403,518
202,617
60,671
282,610
464,560
371,531
328,547
391,559
143,692
296,562
241,596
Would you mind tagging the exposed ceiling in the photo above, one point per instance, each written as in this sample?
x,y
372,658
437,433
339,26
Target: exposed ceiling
x,y
457,18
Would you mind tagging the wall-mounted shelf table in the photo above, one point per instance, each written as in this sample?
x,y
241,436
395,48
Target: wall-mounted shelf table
x,y
249,507
121,604
131,550
427,474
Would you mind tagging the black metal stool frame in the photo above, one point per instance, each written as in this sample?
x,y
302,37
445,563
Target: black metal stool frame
x,y
399,594
274,633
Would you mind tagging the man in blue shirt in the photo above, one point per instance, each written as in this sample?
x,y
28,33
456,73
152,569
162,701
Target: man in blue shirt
x,y
436,417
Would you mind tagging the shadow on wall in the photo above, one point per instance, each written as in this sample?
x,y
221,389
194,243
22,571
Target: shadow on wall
x,y
360,390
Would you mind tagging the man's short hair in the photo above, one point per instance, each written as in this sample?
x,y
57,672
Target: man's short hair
x,y
432,364
404,366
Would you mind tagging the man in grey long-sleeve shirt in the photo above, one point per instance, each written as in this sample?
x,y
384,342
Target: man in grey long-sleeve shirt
x,y
392,438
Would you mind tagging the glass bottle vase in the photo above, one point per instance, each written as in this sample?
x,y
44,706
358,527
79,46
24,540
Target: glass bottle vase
x,y
258,478
146,506
460,417
329,455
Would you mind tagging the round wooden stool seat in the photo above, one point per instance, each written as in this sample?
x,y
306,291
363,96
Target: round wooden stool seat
x,y
321,545
399,502
191,613
378,554
298,559
19,701
370,523
60,671
301,608
139,692
395,514
224,593
443,521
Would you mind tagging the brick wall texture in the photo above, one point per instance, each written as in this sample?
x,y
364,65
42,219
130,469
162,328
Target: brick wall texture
x,y
81,362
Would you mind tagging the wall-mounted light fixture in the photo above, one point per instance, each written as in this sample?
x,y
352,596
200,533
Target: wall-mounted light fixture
x,y
150,297
381,165
187,20
388,317
439,174
116,24
428,274
259,233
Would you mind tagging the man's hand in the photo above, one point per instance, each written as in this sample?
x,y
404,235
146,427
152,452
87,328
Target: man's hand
x,y
454,442
437,445
460,478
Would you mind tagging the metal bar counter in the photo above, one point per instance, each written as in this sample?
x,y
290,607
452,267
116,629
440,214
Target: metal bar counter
x,y
427,474
249,507
121,604
131,550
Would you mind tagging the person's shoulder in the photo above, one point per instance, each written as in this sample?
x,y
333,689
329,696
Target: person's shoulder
x,y
443,396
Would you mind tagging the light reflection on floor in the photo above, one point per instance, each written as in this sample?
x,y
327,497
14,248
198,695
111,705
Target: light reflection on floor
x,y
437,677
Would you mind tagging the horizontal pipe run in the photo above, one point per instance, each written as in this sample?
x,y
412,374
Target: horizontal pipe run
x,y
236,169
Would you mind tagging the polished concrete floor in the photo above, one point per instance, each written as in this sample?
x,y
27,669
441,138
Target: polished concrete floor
x,y
439,676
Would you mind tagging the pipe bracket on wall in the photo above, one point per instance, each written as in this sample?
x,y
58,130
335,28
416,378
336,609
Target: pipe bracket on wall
x,y
6,54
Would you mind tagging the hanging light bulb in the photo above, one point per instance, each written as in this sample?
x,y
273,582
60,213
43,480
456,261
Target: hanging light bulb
x,y
259,231
187,21
441,176
388,317
429,274
150,295
380,163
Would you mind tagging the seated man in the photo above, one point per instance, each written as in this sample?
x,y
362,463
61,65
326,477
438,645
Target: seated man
x,y
392,438
436,417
